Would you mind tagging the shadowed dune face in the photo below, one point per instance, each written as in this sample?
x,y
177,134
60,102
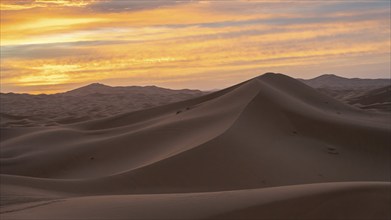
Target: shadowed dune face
x,y
374,99
267,132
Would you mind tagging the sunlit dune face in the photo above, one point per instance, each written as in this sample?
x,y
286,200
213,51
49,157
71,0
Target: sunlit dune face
x,y
52,46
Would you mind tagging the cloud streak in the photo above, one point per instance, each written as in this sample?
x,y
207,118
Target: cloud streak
x,y
49,46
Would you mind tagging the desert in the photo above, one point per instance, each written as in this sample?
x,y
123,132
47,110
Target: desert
x,y
268,144
195,110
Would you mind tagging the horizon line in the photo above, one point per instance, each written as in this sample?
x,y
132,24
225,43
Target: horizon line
x,y
163,87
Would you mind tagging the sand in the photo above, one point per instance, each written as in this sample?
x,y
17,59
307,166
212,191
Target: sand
x,y
269,148
85,103
368,94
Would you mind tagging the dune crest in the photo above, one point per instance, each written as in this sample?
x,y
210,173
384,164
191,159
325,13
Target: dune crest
x,y
254,148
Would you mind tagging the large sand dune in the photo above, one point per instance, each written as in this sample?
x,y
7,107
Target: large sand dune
x,y
268,148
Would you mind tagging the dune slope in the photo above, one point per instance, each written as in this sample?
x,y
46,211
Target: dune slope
x,y
252,148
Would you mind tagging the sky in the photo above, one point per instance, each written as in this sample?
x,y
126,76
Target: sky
x,y
50,46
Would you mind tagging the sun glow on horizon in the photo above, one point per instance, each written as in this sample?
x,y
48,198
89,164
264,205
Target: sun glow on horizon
x,y
49,45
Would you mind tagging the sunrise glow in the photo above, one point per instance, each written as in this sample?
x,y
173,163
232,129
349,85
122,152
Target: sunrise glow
x,y
51,46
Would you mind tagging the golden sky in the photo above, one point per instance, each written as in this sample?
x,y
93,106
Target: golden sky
x,y
50,46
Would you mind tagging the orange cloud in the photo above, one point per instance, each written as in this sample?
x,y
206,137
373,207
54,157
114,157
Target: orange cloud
x,y
49,46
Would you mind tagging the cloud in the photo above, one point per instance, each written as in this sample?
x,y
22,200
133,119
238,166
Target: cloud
x,y
132,5
52,50
170,42
13,5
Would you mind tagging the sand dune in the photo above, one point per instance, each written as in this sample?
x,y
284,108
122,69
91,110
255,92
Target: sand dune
x,y
331,81
313,201
370,94
374,99
269,144
82,104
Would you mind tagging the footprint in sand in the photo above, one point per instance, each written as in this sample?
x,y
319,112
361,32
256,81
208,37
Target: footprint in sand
x,y
332,150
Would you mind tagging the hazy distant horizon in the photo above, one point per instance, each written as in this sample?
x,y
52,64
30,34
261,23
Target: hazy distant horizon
x,y
165,87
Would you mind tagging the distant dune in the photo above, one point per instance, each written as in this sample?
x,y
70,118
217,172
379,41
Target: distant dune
x,y
268,148
85,103
374,99
372,94
341,83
